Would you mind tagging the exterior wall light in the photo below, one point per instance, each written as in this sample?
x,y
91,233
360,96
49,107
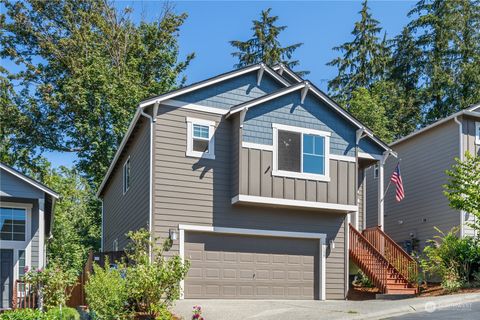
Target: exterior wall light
x,y
173,234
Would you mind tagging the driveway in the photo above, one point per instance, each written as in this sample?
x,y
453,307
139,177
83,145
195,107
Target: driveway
x,y
467,311
331,310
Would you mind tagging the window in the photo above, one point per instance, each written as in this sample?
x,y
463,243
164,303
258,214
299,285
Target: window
x,y
126,175
13,224
301,153
21,263
375,171
200,139
477,132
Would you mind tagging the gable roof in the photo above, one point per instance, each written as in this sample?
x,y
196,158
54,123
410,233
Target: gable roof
x,y
260,67
29,180
306,85
470,111
281,68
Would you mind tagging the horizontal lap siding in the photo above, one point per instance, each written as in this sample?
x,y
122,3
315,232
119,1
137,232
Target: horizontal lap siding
x,y
199,191
424,161
256,180
123,213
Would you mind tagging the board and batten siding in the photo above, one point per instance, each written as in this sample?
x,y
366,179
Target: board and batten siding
x,y
424,159
129,211
256,180
198,191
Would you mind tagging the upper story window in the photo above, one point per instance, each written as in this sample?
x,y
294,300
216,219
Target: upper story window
x,y
301,153
13,223
375,171
200,138
477,132
126,175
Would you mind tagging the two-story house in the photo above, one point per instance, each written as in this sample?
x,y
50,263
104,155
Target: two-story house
x,y
255,175
425,156
26,213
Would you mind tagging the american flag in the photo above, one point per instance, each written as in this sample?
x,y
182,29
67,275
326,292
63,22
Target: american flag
x,y
397,179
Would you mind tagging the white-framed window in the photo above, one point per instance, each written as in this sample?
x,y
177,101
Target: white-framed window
x,y
200,138
375,171
22,262
126,175
477,132
301,153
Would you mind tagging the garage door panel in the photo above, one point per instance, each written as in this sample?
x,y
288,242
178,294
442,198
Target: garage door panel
x,y
233,266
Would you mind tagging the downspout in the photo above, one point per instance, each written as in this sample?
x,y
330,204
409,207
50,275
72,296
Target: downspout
x,y
150,200
462,213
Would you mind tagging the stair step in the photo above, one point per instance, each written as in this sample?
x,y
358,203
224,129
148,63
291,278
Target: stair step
x,y
393,296
402,291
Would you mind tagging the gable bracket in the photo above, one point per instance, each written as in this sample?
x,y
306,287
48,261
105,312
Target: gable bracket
x,y
260,74
242,116
304,92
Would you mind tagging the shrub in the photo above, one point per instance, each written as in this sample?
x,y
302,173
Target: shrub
x,y
22,314
452,258
64,313
362,280
106,293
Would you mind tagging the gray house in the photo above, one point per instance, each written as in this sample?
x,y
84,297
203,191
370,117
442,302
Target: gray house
x,y
255,175
26,213
425,155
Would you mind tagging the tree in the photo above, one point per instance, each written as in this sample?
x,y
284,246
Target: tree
x,y
83,68
449,36
463,188
264,45
363,61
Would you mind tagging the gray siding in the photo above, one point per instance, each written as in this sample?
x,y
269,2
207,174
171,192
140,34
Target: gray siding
x,y
123,213
198,191
361,198
232,92
12,186
425,158
371,198
256,180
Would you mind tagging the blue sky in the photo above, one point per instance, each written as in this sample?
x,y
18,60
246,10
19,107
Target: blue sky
x,y
320,25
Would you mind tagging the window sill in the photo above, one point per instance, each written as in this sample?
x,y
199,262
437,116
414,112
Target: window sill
x,y
195,154
299,175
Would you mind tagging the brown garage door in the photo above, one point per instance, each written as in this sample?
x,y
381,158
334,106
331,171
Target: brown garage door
x,y
248,267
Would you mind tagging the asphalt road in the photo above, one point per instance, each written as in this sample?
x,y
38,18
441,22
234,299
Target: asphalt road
x,y
467,311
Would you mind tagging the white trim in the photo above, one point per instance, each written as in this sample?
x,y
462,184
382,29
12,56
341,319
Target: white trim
x,y
290,72
264,233
193,106
29,180
258,146
125,188
342,158
102,246
460,156
370,156
41,234
477,132
211,138
301,175
293,203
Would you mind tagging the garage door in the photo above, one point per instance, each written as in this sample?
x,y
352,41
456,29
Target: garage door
x,y
250,267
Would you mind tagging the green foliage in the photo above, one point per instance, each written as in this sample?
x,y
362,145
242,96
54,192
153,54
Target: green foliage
x,y
83,67
463,188
362,280
451,258
106,293
149,285
264,45
33,314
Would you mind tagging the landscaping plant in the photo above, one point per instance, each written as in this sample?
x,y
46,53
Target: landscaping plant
x,y
35,314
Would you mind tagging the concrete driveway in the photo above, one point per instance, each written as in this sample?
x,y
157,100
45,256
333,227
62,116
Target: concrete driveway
x,y
331,310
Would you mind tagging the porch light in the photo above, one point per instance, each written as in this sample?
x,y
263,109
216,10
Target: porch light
x,y
173,234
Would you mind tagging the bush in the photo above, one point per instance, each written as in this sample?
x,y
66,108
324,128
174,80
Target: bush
x,y
451,258
22,314
106,293
64,313
362,280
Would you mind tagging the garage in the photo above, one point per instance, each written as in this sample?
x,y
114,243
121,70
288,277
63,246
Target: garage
x,y
227,264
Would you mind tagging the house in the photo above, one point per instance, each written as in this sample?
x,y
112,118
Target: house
x,y
425,156
255,175
26,213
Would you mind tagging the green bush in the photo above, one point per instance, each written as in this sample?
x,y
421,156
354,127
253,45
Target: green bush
x,y
452,258
106,293
22,314
64,313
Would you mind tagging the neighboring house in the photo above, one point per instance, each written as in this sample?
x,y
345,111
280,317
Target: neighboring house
x,y
26,213
254,174
425,156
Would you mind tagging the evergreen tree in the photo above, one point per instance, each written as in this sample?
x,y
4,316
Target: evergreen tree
x,y
363,60
448,34
264,45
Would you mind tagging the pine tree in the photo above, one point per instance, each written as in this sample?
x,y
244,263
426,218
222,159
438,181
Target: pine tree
x,y
363,60
264,45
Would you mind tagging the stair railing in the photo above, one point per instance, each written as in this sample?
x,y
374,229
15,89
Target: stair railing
x,y
395,255
369,259
24,295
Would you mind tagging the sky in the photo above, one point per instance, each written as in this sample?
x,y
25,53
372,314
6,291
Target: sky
x,y
319,25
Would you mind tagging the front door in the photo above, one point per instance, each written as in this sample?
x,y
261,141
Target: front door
x,y
6,277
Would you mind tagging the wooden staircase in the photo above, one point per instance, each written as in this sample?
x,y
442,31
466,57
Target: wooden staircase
x,y
385,263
